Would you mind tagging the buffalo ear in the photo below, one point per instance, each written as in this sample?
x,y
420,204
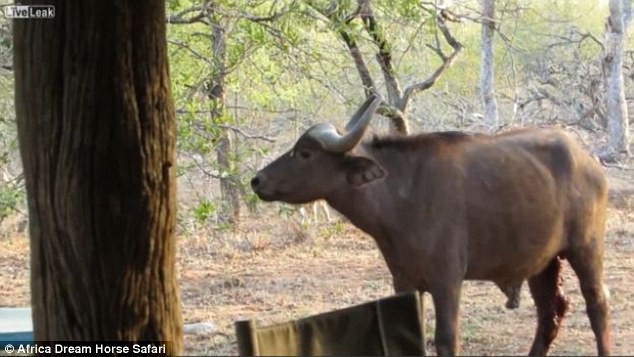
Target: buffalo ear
x,y
361,171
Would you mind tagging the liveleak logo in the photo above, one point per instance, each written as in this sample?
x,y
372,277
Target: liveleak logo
x,y
29,11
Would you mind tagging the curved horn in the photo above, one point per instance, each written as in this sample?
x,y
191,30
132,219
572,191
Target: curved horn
x,y
330,139
359,114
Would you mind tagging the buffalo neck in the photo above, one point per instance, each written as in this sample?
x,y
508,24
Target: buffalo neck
x,y
375,207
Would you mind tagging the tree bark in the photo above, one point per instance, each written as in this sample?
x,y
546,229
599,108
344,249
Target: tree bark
x,y
487,94
97,138
618,131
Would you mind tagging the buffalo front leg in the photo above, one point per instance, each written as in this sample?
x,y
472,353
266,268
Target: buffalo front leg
x,y
447,306
551,306
402,285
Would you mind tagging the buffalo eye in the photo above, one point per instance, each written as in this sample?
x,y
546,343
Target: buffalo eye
x,y
304,154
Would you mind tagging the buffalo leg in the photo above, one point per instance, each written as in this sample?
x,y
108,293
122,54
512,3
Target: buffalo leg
x,y
551,306
401,285
588,265
447,307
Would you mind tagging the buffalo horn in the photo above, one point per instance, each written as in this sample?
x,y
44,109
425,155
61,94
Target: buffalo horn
x,y
330,139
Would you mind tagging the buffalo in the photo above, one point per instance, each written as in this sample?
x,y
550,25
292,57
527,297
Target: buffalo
x,y
445,207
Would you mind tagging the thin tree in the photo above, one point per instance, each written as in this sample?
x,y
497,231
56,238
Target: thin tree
x,y
212,15
615,32
487,94
229,182
97,136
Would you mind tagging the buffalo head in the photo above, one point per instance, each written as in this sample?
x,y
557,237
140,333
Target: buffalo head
x,y
321,162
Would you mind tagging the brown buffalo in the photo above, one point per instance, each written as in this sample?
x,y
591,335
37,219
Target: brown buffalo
x,y
447,207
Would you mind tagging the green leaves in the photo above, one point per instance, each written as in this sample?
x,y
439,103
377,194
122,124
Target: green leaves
x,y
204,210
408,9
11,197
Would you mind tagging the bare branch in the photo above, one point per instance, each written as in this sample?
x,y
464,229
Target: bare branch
x,y
184,46
447,62
437,48
245,134
592,37
203,11
353,15
181,19
353,48
237,130
575,37
261,19
452,16
274,16
359,61
394,107
457,46
204,170
204,35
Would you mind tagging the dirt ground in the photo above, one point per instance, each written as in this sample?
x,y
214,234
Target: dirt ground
x,y
273,270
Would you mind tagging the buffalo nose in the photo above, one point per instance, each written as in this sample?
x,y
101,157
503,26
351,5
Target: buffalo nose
x,y
255,182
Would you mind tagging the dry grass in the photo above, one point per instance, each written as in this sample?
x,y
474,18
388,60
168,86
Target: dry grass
x,y
273,270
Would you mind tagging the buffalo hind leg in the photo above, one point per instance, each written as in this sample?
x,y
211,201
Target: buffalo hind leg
x,y
551,306
588,266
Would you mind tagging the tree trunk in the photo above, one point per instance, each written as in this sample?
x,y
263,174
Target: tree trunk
x,y
229,183
489,103
97,136
618,131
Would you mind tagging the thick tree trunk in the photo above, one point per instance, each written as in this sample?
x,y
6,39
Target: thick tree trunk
x,y
97,134
489,103
618,131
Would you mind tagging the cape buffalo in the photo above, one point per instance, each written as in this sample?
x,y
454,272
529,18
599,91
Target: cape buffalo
x,y
446,207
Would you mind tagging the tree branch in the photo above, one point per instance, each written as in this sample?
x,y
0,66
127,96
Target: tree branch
x,y
384,56
237,14
190,50
396,116
245,134
447,61
394,107
181,19
353,48
261,19
237,130
359,61
575,37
